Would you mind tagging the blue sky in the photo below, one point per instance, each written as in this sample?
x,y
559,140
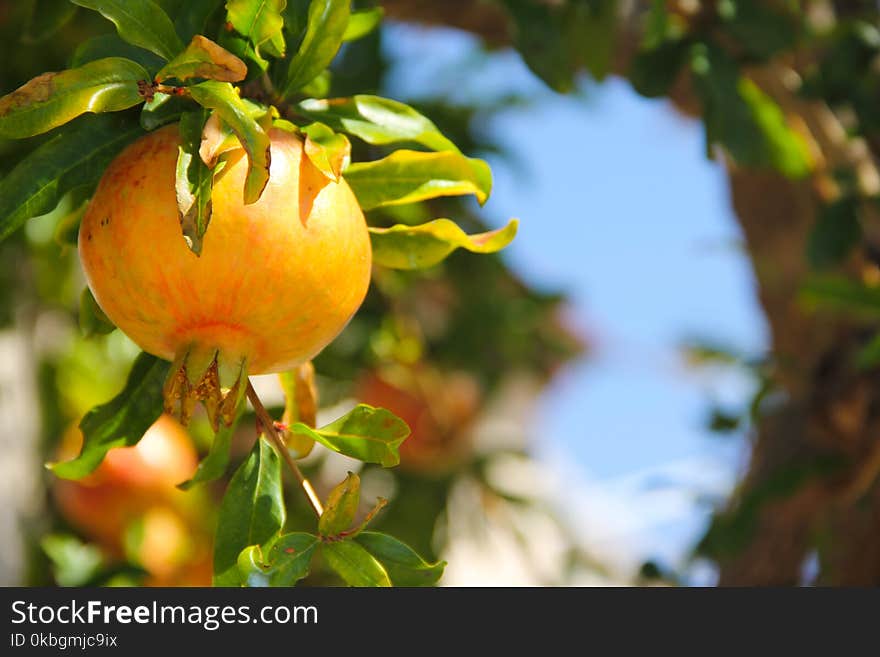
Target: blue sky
x,y
620,208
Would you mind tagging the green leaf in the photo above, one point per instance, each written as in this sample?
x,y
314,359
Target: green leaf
x,y
327,150
354,564
283,562
362,22
235,113
260,22
75,156
53,99
836,233
759,29
214,465
204,59
194,180
868,356
92,320
341,506
653,72
192,16
377,121
73,562
76,202
841,294
539,34
326,26
591,33
47,17
737,114
252,511
122,421
163,109
410,176
140,22
403,565
110,45
417,247
366,433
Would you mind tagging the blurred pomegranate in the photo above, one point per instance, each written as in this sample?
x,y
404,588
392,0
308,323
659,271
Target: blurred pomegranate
x,y
131,506
439,408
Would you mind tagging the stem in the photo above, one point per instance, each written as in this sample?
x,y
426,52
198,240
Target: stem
x,y
270,430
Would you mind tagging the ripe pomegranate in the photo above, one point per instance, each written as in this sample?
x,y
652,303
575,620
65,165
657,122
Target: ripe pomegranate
x,y
438,407
276,280
135,489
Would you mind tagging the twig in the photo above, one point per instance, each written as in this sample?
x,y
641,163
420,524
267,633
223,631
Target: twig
x,y
268,425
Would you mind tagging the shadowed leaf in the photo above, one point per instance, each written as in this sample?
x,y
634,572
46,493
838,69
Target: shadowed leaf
x,y
122,421
342,504
140,22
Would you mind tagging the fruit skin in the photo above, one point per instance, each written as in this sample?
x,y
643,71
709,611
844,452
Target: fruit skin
x,y
276,280
135,488
439,408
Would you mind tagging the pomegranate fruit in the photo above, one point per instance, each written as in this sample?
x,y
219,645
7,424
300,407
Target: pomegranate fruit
x,y
276,280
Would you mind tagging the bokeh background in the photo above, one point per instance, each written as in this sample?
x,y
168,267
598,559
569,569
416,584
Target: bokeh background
x,y
583,405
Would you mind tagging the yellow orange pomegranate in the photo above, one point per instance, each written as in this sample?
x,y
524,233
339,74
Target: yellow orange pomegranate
x,y
131,506
275,282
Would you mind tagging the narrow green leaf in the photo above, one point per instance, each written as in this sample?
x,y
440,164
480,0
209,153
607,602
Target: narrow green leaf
x,y
745,120
362,22
417,247
122,421
204,59
76,156
260,22
110,45
377,121
403,565
410,176
53,99
194,180
140,22
327,22
354,564
214,465
341,506
47,17
837,293
328,150
283,562
366,433
252,511
222,97
92,320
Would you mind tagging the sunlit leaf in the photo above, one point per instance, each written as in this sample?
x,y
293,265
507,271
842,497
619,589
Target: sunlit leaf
x,y
222,97
328,150
354,564
342,504
122,421
260,22
252,511
366,433
53,99
410,176
377,121
283,562
362,22
417,247
74,563
75,156
403,565
140,22
204,59
327,21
